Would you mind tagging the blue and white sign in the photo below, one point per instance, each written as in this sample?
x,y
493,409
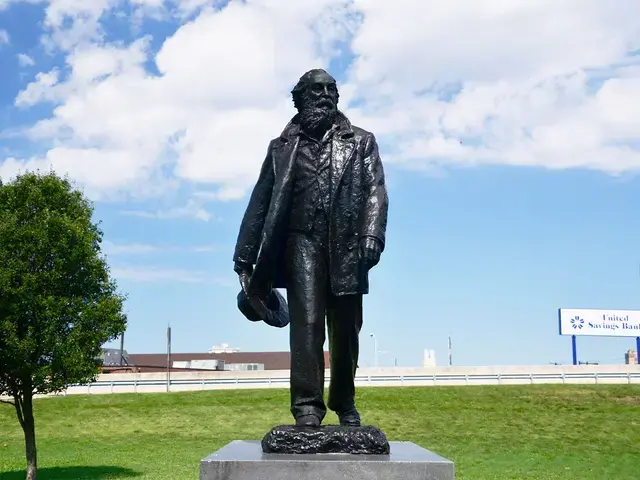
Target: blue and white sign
x,y
600,323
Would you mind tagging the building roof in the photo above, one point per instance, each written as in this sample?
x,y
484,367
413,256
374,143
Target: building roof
x,y
155,362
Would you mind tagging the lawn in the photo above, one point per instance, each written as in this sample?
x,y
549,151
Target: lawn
x,y
506,432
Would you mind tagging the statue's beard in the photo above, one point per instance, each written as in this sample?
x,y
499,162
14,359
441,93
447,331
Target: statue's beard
x,y
317,116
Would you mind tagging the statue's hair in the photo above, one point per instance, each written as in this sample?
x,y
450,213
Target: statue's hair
x,y
302,85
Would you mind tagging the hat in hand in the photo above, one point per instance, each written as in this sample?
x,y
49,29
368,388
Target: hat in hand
x,y
272,310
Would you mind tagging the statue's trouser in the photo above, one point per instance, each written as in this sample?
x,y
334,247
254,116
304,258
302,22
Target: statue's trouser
x,y
309,299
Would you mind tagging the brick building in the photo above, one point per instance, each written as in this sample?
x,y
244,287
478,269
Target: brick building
x,y
157,362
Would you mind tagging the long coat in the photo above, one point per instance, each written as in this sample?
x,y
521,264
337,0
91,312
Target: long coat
x,y
358,209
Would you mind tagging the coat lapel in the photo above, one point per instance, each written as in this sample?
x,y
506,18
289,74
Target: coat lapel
x,y
284,153
283,159
343,148
283,156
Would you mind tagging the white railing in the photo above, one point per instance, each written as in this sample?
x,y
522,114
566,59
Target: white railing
x,y
136,384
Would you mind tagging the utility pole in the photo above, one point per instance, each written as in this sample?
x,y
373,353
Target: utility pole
x,y
168,357
450,356
121,348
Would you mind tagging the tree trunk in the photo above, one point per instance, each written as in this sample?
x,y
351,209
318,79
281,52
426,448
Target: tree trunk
x,y
30,436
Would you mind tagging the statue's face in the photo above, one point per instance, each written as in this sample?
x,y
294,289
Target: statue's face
x,y
322,91
317,101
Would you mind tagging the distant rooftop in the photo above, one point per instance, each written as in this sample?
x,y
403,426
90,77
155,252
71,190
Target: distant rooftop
x,y
157,362
224,348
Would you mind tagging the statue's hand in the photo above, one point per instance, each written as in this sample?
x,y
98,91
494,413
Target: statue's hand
x,y
244,271
242,268
370,251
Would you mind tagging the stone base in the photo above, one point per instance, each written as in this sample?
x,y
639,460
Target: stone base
x,y
365,440
244,460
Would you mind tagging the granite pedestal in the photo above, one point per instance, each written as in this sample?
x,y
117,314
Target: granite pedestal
x,y
244,460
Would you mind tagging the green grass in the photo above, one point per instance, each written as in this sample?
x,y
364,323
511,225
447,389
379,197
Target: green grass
x,y
507,432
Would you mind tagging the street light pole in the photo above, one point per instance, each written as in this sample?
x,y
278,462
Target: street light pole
x,y
375,350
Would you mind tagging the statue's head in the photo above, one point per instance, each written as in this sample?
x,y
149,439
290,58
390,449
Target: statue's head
x,y
315,96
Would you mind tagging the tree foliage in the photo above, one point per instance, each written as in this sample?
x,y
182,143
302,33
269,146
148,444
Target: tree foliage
x,y
58,304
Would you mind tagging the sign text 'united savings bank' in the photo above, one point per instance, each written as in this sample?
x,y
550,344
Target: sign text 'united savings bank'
x,y
618,323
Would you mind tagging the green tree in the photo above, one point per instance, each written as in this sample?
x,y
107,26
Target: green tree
x,y
58,305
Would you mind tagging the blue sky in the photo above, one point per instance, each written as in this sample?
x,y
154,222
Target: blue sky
x,y
511,176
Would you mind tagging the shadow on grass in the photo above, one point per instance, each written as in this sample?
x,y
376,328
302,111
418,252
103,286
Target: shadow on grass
x,y
75,473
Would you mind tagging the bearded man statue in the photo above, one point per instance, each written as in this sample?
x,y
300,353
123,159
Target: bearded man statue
x,y
315,225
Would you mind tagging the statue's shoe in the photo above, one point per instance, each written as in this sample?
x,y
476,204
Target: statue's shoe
x,y
350,418
307,421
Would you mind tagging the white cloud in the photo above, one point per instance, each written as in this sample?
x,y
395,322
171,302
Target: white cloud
x,y
153,4
4,37
39,90
214,122
72,23
545,83
174,275
223,195
155,275
209,248
112,248
193,209
521,76
25,60
187,7
100,171
177,8
490,40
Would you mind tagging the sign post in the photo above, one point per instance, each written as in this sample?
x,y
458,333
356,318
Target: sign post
x,y
598,323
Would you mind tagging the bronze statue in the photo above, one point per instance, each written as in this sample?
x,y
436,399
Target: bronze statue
x,y
315,225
